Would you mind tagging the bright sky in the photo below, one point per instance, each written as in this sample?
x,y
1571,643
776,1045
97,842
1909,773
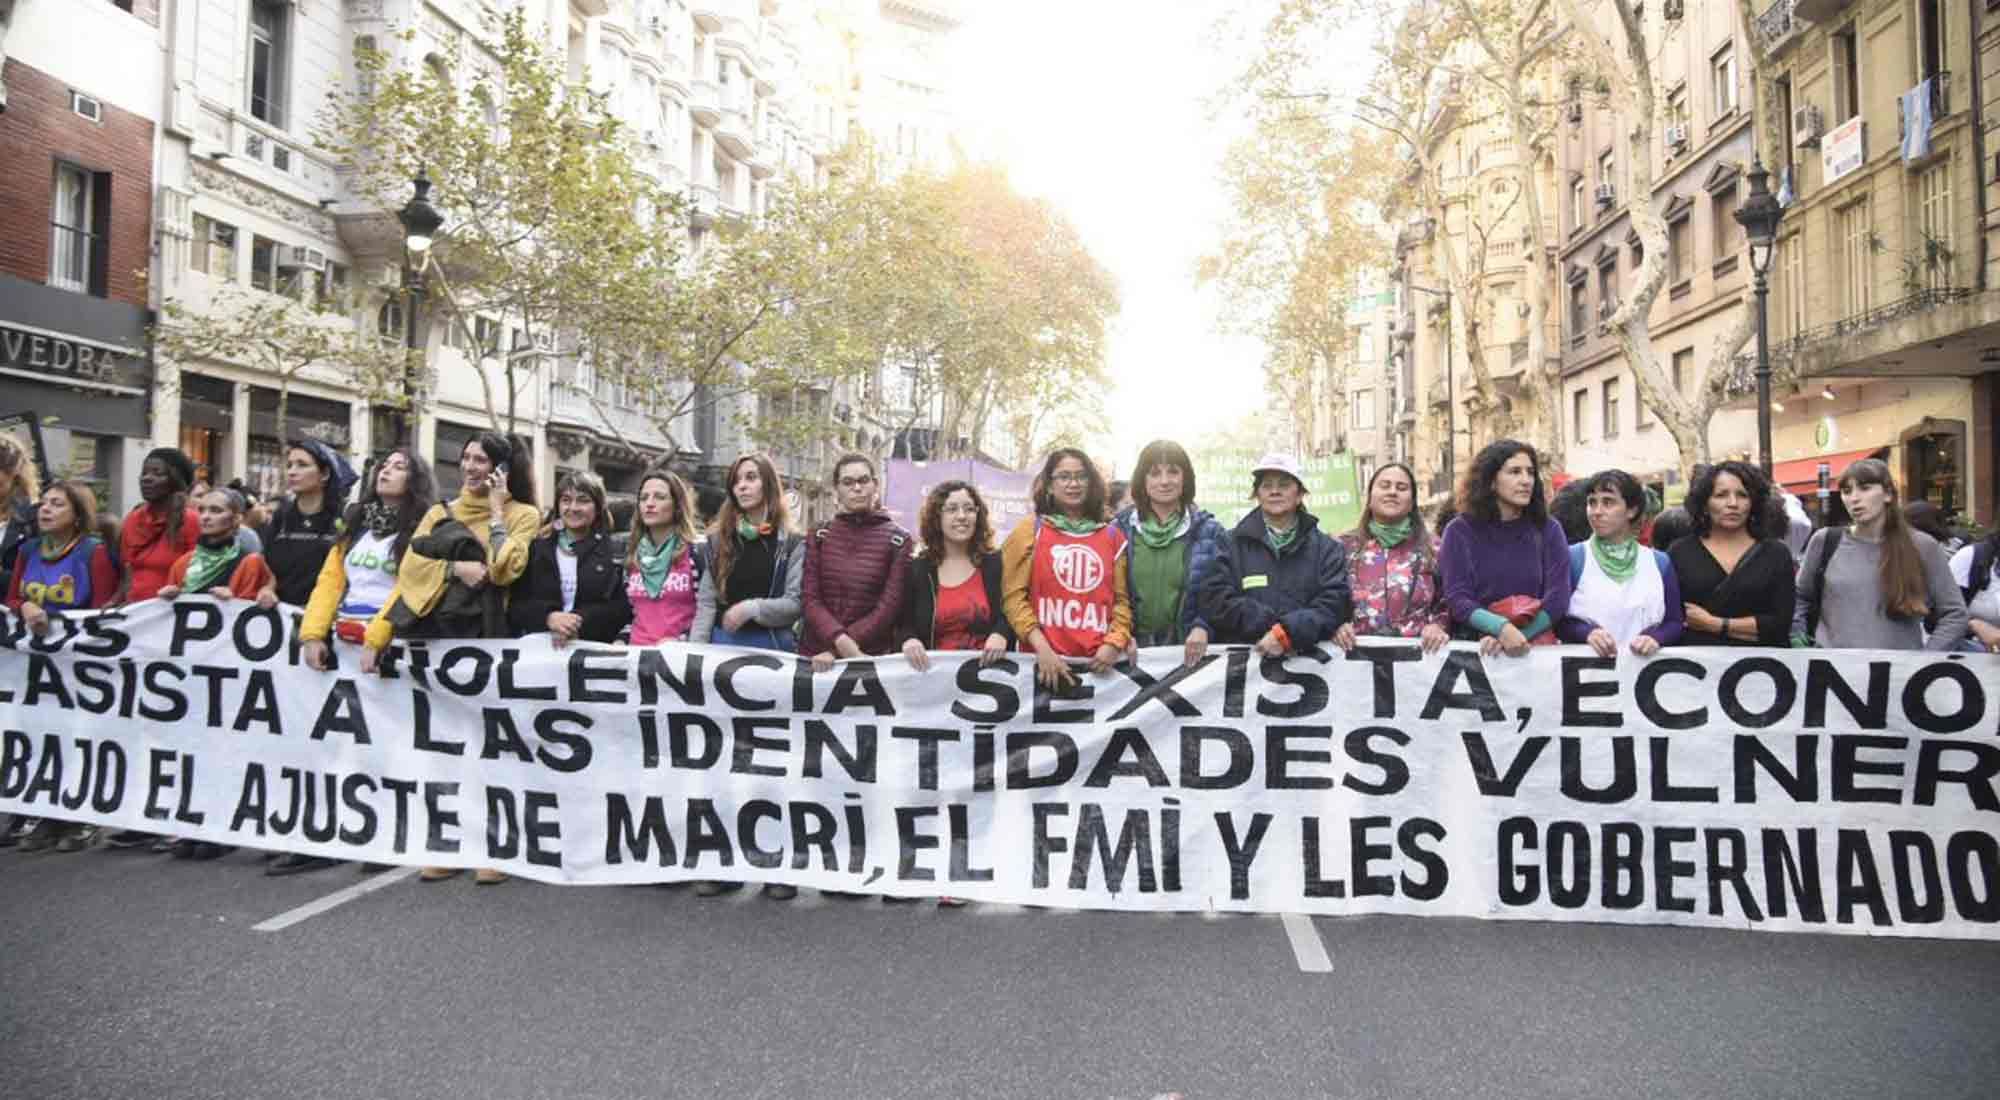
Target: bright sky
x,y
1098,106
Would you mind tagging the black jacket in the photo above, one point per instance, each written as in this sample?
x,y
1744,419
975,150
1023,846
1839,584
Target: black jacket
x,y
461,612
24,525
1251,588
919,616
295,547
600,590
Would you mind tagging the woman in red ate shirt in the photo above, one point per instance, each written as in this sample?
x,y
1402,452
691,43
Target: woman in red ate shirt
x,y
951,600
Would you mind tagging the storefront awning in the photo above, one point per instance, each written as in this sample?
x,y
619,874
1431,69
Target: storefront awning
x,y
1802,474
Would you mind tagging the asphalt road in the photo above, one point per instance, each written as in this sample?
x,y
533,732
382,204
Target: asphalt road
x,y
128,975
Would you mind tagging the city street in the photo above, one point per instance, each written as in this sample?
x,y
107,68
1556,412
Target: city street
x,y
131,975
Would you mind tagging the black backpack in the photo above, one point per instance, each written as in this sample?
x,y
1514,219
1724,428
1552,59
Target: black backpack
x,y
1826,548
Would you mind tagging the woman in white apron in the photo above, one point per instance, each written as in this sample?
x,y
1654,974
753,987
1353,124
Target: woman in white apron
x,y
1624,595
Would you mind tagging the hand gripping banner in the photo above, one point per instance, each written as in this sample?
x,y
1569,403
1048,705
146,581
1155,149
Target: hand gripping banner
x,y
1847,791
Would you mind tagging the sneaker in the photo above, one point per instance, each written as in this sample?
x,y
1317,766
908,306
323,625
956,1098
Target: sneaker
x,y
165,844
291,863
487,876
951,903
779,891
16,829
126,839
709,888
78,838
42,837
439,874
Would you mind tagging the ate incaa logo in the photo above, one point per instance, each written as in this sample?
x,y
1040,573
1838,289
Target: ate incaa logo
x,y
1078,568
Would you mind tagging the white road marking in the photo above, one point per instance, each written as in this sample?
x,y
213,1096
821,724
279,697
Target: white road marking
x,y
334,900
1306,944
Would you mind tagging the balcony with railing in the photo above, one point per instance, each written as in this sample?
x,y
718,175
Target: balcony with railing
x,y
1777,25
1787,356
706,102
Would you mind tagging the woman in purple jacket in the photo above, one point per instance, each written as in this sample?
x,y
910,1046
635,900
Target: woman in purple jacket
x,y
856,568
1504,544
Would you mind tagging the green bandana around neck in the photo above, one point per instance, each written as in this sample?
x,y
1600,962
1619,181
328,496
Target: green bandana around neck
x,y
750,532
1158,535
566,541
1070,526
656,561
54,550
1391,535
1277,539
1618,560
211,566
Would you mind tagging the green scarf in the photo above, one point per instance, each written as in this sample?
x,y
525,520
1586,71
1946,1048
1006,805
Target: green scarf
x,y
748,531
1277,539
1070,526
55,551
1619,560
1159,536
1390,535
566,541
656,561
211,565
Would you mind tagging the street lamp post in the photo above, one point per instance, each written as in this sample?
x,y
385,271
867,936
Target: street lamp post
x,y
421,222
1759,217
1450,396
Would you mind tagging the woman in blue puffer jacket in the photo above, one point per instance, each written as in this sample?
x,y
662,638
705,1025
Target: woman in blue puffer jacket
x,y
1172,545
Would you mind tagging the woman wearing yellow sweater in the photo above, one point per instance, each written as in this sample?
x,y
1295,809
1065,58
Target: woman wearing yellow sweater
x,y
497,511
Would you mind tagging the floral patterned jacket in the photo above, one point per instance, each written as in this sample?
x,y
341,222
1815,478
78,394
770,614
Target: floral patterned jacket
x,y
1396,592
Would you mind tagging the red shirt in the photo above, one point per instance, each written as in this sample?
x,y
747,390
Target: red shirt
x,y
959,607
147,553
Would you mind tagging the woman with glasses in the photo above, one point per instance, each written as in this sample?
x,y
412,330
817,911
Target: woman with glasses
x,y
1064,592
856,569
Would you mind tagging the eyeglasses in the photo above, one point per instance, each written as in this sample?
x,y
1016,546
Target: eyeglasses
x,y
1069,477
856,482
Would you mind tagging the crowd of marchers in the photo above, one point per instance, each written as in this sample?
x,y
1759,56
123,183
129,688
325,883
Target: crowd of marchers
x,y
1080,584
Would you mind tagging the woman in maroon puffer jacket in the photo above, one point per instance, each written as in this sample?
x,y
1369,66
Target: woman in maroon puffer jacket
x,y
855,569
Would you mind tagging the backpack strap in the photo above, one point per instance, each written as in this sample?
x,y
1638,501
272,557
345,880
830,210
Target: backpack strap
x,y
1826,548
1575,565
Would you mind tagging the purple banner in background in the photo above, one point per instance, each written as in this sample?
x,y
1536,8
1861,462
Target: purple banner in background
x,y
1006,491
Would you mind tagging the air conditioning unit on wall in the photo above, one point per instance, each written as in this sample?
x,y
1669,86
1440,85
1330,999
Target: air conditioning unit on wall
x,y
297,256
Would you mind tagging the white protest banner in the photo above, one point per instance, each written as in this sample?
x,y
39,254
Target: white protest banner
x,y
1778,789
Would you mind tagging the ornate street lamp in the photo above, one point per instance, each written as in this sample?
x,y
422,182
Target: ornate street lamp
x,y
1759,217
421,222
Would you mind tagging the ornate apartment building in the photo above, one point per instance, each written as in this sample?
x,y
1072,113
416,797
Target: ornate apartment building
x,y
1702,151
1434,414
79,111
175,157
1885,325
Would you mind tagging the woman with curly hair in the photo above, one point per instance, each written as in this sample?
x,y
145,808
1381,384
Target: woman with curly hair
x,y
1064,566
1874,585
19,501
1505,559
1735,571
952,599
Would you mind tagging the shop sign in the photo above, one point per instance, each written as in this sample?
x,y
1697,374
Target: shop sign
x,y
65,356
1826,434
1842,150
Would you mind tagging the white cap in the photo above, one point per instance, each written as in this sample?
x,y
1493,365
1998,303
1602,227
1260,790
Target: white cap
x,y
1280,463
